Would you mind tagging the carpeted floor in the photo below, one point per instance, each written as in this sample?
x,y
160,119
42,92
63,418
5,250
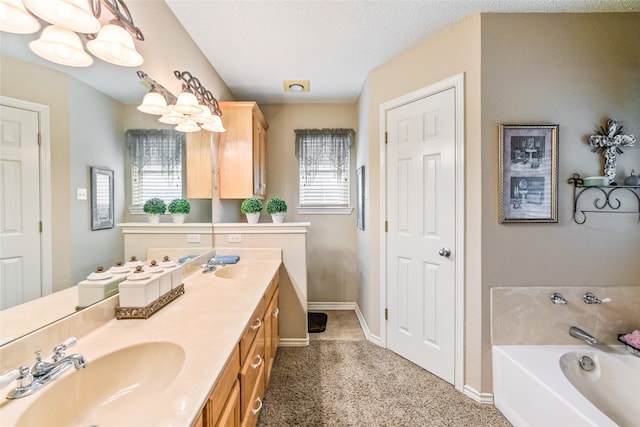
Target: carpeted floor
x,y
357,383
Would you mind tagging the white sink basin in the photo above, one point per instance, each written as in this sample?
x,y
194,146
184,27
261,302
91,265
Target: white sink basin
x,y
232,272
116,389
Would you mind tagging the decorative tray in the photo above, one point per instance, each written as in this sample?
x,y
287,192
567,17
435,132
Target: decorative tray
x,y
630,348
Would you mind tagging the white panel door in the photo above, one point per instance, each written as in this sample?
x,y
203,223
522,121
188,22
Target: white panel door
x,y
421,232
20,278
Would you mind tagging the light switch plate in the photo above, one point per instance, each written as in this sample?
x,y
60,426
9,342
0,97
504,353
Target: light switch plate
x,y
234,238
81,193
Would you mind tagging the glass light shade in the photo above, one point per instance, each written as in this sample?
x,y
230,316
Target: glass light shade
x,y
187,103
154,103
203,117
115,45
173,118
61,46
214,125
74,15
14,18
188,126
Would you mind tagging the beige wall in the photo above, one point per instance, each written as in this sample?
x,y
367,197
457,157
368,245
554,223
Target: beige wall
x,y
453,51
516,73
577,77
331,239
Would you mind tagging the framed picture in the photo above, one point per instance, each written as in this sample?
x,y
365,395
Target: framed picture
x,y
528,173
101,198
360,197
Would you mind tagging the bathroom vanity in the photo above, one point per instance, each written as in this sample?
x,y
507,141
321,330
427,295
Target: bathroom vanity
x,y
203,360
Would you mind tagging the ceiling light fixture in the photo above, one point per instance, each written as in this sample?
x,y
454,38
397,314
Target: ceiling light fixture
x,y
194,109
113,43
296,86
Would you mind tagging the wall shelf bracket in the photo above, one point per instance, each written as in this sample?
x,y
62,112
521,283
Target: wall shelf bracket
x,y
606,199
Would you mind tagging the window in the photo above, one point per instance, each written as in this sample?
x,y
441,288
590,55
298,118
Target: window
x,y
157,159
324,160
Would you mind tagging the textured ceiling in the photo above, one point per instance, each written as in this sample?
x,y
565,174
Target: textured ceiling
x,y
255,45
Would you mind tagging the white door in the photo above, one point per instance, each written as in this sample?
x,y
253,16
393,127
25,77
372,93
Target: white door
x,y
421,190
20,251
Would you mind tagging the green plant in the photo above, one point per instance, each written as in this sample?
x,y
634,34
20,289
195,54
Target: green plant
x,y
251,206
179,206
275,205
154,206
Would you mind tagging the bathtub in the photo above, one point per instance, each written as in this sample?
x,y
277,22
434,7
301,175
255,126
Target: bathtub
x,y
541,385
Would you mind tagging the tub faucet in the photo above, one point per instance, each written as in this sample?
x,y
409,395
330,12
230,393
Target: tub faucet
x,y
576,332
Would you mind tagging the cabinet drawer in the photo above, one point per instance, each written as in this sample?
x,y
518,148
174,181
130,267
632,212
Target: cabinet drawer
x,y
252,331
252,370
254,404
222,389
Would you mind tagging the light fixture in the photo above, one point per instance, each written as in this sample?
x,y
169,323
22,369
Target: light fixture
x,y
194,109
154,103
113,43
14,18
296,86
61,46
74,15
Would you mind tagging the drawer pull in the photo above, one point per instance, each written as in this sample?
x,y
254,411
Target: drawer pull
x,y
255,411
276,313
258,363
257,324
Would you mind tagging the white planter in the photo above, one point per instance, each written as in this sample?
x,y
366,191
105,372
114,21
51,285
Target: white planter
x,y
153,218
253,218
278,217
178,218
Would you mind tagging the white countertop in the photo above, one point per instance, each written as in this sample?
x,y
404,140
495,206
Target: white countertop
x,y
207,322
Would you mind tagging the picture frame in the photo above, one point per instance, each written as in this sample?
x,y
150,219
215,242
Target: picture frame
x,y
101,198
528,157
360,197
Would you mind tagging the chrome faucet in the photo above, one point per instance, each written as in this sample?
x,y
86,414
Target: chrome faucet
x,y
576,332
209,266
30,380
590,298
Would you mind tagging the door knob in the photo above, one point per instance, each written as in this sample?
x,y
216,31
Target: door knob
x,y
445,252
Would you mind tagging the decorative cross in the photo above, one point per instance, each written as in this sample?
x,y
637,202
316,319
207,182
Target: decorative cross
x,y
608,142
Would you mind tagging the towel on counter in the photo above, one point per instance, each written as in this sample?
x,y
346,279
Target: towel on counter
x,y
225,259
186,258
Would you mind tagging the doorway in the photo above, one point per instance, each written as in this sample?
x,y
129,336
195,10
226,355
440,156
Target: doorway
x,y
25,257
422,286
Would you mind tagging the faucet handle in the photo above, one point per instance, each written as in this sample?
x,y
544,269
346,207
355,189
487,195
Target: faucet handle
x,y
58,351
590,298
7,378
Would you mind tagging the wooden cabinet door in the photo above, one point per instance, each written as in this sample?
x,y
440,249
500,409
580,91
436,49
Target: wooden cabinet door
x,y
199,165
230,415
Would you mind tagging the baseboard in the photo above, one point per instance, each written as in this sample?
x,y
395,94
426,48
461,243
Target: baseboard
x,y
293,342
313,306
483,398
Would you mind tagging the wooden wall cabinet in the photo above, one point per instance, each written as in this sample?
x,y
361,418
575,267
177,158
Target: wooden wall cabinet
x,y
237,398
242,151
199,165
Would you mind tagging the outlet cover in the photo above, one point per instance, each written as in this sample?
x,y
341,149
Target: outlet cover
x,y
234,238
193,238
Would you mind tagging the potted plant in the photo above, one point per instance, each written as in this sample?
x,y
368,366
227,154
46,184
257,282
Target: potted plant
x,y
251,208
154,208
277,207
179,208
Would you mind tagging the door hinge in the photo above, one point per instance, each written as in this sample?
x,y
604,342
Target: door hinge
x,y
386,314
40,226
386,226
386,137
39,138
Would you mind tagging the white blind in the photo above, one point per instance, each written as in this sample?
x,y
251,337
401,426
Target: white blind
x,y
324,188
157,164
324,158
